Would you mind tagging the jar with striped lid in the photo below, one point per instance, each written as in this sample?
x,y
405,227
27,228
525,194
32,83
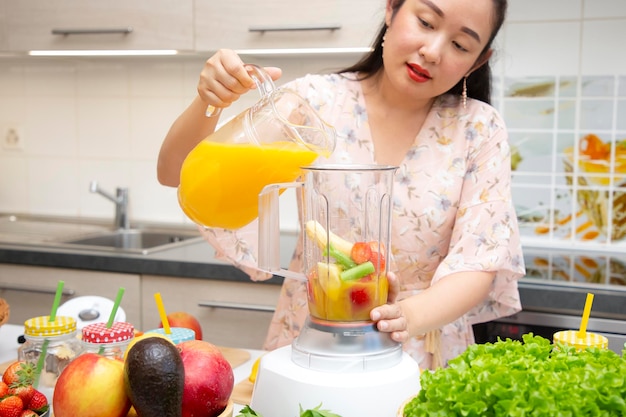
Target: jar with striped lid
x,y
581,340
110,342
50,345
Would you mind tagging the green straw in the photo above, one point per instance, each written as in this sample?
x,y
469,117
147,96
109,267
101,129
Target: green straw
x,y
44,347
57,301
116,305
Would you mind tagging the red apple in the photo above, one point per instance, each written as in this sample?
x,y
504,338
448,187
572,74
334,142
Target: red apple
x,y
186,320
209,379
91,386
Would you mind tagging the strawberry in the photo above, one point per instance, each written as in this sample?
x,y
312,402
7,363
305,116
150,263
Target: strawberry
x,y
361,252
11,406
359,296
377,257
4,389
38,402
29,413
25,392
19,371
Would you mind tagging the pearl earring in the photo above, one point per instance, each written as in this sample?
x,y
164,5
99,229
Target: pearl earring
x,y
464,93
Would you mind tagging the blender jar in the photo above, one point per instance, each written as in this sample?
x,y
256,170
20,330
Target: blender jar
x,y
346,214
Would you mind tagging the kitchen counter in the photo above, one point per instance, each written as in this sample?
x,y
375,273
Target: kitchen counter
x,y
8,352
193,259
556,283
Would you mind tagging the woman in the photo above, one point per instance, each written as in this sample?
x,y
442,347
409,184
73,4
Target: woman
x,y
419,100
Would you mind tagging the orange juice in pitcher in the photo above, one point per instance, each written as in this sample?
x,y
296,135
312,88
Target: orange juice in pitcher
x,y
222,176
220,182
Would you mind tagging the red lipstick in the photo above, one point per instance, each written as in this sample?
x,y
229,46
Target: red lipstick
x,y
418,73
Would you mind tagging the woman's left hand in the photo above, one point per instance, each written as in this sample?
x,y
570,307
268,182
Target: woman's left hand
x,y
390,317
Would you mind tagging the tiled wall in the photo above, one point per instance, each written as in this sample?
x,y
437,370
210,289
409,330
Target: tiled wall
x,y
559,69
562,91
101,119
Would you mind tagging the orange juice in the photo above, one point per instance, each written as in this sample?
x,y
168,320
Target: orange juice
x,y
220,182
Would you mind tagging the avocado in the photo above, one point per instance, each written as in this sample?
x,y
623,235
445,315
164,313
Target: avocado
x,y
154,378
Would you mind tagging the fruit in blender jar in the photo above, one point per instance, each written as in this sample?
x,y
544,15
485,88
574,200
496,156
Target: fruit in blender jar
x,y
154,378
209,379
351,282
91,386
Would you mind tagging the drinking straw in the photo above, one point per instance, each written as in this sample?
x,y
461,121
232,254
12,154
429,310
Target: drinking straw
x,y
582,332
44,347
116,305
164,321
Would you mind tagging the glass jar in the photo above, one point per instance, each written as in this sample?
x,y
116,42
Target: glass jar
x,y
110,342
50,345
581,341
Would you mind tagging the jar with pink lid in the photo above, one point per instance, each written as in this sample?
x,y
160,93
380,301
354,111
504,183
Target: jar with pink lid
x,y
110,342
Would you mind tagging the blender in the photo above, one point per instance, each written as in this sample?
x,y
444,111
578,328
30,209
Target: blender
x,y
339,359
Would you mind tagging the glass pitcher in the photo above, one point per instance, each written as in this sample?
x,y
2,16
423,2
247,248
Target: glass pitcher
x,y
222,176
346,214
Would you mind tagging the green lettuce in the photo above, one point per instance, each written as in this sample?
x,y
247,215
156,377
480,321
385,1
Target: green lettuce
x,y
529,378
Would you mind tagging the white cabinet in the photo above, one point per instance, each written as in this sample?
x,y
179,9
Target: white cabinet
x,y
251,24
96,24
230,313
30,290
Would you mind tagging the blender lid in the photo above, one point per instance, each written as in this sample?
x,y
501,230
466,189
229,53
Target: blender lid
x,y
344,347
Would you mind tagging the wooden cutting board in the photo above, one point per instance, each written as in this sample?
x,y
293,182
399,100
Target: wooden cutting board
x,y
234,356
242,392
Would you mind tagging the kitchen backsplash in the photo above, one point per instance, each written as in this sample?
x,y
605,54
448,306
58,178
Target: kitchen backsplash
x,y
559,83
569,139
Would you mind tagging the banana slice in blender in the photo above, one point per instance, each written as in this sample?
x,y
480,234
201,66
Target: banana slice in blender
x,y
329,279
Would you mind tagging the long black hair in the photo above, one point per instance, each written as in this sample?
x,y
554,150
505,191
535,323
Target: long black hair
x,y
478,82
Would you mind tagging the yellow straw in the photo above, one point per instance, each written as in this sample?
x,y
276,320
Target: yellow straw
x,y
159,303
582,333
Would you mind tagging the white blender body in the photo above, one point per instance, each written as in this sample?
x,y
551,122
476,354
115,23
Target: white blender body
x,y
351,371
339,359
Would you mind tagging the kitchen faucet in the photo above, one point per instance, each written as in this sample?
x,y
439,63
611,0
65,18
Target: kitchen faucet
x,y
121,204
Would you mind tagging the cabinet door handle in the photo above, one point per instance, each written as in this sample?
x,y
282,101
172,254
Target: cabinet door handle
x,y
101,31
294,28
66,292
237,306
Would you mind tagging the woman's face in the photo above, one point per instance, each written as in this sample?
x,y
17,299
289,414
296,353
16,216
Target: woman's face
x,y
431,44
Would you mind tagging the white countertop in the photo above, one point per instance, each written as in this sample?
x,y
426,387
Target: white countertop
x,y
8,352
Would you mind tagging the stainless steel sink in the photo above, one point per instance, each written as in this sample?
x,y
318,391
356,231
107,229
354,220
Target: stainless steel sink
x,y
133,239
83,234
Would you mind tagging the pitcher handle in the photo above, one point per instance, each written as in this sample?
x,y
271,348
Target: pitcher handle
x,y
262,79
269,231
263,82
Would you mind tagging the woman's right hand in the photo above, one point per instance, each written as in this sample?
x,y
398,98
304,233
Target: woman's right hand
x,y
224,78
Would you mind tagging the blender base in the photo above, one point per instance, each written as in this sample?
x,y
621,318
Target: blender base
x,y
282,387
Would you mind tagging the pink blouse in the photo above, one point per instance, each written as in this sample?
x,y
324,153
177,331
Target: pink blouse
x,y
452,212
